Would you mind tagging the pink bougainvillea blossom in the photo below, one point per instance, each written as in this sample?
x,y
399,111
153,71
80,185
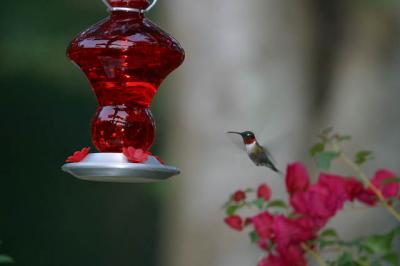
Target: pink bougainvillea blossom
x,y
78,156
297,178
292,256
272,260
264,192
263,224
283,236
288,232
235,222
388,190
321,201
238,196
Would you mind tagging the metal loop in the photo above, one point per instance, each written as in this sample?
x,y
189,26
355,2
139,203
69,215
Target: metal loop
x,y
130,9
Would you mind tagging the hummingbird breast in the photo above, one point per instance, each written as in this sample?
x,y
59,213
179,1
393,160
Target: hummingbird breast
x,y
252,147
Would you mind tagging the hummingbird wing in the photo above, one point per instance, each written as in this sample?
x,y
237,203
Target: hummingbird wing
x,y
269,155
265,158
237,141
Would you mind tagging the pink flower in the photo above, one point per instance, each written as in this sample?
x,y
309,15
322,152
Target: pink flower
x,y
322,200
388,190
263,244
235,222
293,256
289,232
368,196
239,195
297,178
335,184
272,260
312,224
78,156
263,224
135,155
354,188
264,192
317,202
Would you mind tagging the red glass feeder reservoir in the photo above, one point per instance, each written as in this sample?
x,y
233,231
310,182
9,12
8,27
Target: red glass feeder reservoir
x,y
125,57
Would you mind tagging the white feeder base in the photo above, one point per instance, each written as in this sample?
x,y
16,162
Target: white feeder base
x,y
114,167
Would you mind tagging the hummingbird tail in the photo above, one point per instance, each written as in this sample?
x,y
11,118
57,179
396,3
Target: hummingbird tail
x,y
273,168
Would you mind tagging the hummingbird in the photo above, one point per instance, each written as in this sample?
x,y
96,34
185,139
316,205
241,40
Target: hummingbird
x,y
259,155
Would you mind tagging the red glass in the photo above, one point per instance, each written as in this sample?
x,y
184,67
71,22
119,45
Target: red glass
x,y
125,57
140,4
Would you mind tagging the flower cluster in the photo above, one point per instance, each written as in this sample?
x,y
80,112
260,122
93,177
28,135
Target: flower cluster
x,y
286,235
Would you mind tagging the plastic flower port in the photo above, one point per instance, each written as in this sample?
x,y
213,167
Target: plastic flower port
x,y
135,155
78,156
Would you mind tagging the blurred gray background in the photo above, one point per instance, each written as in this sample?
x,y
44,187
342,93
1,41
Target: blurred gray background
x,y
284,69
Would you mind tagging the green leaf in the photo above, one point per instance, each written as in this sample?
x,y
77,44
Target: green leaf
x,y
396,231
346,259
375,263
391,258
277,204
341,138
231,210
326,243
362,261
4,259
363,156
254,236
259,203
381,244
329,233
317,149
325,159
327,131
390,181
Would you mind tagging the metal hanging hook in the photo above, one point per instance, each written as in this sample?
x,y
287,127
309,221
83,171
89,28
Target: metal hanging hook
x,y
130,9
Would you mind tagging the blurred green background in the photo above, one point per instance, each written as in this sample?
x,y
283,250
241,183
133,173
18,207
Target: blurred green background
x,y
269,66
46,216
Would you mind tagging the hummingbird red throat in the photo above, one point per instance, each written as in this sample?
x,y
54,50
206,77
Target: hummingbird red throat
x,y
259,155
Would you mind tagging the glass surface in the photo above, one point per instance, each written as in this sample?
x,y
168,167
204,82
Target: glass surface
x,y
141,4
125,57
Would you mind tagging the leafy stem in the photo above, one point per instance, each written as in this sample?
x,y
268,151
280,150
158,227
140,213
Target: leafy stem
x,y
368,182
317,257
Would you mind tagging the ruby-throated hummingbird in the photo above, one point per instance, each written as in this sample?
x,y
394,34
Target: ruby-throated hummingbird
x,y
257,153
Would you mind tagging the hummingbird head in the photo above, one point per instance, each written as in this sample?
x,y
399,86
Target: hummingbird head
x,y
248,136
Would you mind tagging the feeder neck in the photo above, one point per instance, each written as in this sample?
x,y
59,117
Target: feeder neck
x,y
139,4
127,15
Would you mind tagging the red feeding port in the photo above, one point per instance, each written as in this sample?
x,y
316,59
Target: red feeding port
x,y
125,57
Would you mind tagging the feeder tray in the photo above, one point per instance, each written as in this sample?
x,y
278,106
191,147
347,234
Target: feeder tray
x,y
114,167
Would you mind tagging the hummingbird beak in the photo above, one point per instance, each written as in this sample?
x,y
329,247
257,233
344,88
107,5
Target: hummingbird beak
x,y
233,132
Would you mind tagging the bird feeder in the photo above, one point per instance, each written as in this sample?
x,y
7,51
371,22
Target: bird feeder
x,y
125,57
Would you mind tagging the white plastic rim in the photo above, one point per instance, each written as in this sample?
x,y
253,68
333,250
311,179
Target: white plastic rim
x,y
114,167
130,9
